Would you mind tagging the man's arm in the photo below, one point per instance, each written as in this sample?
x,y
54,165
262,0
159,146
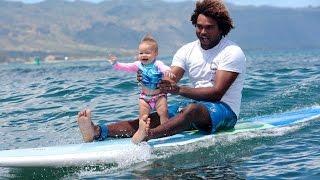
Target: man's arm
x,y
169,85
178,72
223,81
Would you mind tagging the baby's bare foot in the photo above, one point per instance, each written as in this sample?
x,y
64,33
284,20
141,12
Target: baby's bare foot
x,y
142,133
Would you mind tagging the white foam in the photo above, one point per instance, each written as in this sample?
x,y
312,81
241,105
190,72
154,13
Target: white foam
x,y
133,155
211,141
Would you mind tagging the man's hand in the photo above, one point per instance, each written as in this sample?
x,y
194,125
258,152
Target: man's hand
x,y
139,76
169,74
167,86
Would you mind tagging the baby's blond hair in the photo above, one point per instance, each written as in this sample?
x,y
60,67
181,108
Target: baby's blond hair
x,y
151,41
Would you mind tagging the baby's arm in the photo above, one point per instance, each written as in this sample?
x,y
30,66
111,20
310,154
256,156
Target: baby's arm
x,y
112,59
127,67
166,70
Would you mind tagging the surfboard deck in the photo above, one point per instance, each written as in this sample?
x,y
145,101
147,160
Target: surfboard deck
x,y
111,150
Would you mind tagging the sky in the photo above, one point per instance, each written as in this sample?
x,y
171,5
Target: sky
x,y
277,3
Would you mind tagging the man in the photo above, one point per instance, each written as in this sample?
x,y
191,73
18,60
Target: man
x,y
216,68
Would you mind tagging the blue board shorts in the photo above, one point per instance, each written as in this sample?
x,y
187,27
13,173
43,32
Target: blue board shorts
x,y
222,117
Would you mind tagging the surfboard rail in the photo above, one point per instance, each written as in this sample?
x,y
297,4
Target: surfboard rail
x,y
112,150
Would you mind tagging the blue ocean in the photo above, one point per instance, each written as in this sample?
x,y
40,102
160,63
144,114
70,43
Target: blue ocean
x,y
39,105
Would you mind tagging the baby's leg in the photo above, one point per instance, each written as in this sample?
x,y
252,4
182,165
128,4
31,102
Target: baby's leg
x,y
144,108
162,109
144,122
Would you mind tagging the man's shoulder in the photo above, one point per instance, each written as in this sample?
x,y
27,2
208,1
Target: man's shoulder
x,y
228,46
190,45
225,42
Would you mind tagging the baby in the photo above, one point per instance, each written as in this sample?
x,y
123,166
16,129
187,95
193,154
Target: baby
x,y
152,71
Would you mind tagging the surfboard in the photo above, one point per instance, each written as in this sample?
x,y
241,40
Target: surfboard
x,y
115,150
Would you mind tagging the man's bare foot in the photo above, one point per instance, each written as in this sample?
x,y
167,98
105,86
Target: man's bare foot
x,y
86,126
142,133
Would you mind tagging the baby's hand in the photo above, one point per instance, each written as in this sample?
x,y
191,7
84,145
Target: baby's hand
x,y
112,59
169,74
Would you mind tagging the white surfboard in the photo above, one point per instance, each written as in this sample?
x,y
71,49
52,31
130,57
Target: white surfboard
x,y
111,150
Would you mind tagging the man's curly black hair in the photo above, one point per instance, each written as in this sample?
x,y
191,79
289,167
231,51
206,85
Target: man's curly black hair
x,y
216,10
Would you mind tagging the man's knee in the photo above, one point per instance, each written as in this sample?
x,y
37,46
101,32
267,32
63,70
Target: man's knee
x,y
200,117
195,110
155,120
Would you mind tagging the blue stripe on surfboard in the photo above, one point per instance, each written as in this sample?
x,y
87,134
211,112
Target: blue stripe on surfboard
x,y
286,118
176,138
262,122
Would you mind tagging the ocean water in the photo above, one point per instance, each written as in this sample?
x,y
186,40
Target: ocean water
x,y
39,104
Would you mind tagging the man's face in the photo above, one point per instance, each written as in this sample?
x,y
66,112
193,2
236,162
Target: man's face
x,y
207,31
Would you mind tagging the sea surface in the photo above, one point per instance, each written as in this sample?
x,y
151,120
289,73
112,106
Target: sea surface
x,y
39,105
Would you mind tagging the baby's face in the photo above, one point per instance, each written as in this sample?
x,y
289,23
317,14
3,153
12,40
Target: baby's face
x,y
147,53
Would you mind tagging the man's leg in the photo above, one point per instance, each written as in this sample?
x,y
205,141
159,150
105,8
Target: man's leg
x,y
90,131
87,128
129,128
194,116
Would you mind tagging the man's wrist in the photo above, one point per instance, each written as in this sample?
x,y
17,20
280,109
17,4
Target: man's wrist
x,y
178,90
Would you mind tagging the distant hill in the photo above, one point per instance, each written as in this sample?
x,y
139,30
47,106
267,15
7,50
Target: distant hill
x,y
276,28
86,30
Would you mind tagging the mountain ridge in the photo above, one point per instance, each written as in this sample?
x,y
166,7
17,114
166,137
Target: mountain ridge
x,y
83,29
